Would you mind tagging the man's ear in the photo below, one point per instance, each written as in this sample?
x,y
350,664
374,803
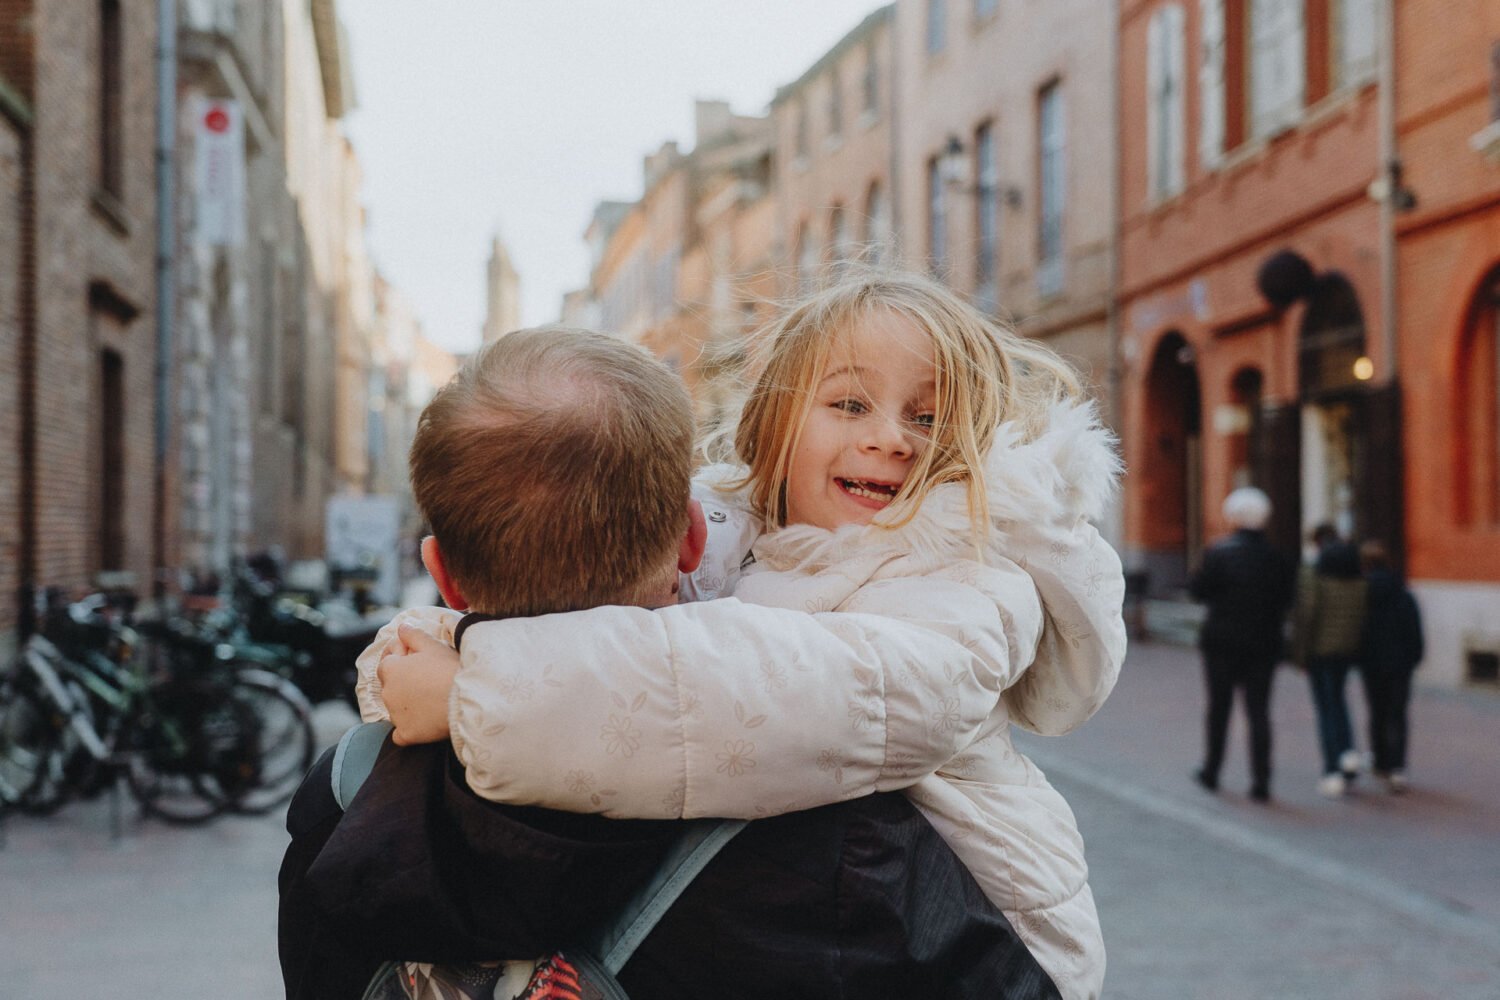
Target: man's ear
x,y
690,552
432,558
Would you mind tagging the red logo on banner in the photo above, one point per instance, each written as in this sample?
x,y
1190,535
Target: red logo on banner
x,y
217,119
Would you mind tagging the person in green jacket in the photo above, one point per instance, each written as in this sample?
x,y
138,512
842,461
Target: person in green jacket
x,y
1328,626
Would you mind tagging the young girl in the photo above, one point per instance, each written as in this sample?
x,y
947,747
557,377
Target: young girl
x,y
914,489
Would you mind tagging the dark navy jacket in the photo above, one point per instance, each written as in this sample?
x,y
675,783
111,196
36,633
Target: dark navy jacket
x,y
858,899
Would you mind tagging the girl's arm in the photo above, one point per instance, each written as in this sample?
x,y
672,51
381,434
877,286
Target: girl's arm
x,y
729,709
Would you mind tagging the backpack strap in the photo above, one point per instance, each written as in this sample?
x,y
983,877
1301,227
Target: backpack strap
x,y
355,757
687,857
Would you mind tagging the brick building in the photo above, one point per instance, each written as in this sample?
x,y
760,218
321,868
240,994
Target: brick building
x,y
15,125
1447,125
84,365
1254,332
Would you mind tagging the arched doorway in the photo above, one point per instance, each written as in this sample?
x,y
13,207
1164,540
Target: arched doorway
x,y
1172,479
1350,440
1476,412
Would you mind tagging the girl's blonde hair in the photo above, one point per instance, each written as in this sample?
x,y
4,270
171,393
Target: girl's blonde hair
x,y
986,375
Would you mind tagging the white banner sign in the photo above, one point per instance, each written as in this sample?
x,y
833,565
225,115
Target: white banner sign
x,y
219,139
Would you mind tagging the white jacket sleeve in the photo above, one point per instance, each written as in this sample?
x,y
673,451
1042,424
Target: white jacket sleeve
x,y
729,709
436,622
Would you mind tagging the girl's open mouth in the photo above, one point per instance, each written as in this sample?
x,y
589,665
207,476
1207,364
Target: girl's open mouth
x,y
877,494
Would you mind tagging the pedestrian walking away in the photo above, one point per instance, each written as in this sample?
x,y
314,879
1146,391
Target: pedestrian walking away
x,y
1247,585
1327,632
1390,649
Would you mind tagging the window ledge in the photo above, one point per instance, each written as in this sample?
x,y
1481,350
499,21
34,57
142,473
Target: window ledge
x,y
109,208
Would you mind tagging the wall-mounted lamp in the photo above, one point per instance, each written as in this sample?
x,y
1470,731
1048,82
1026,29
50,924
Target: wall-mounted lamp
x,y
1364,369
953,167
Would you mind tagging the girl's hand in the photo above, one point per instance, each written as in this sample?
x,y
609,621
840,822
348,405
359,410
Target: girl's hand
x,y
415,687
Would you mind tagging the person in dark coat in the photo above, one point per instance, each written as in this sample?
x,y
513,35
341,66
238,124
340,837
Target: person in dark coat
x,y
1247,585
860,898
1390,649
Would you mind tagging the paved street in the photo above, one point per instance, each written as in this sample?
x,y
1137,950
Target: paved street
x,y
1372,897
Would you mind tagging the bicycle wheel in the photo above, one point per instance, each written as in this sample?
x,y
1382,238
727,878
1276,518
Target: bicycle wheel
x,y
285,743
31,757
193,752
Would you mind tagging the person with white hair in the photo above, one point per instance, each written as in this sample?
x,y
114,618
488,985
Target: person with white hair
x,y
1248,586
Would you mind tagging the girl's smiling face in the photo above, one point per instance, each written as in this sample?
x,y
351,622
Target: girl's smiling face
x,y
868,421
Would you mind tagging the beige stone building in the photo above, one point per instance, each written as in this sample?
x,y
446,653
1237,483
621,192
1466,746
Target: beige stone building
x,y
1004,162
834,157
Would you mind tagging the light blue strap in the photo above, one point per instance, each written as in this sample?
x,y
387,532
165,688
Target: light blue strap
x,y
692,852
354,759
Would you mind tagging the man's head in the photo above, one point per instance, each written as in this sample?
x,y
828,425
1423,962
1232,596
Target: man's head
x,y
554,470
1247,508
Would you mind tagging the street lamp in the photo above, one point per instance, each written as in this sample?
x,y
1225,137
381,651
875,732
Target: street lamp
x,y
953,167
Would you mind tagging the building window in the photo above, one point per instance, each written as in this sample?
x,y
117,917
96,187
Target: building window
x,y
937,26
111,98
807,259
871,82
1051,187
937,227
1166,107
877,224
1212,52
984,9
987,207
112,460
835,105
838,235
1354,41
1278,65
800,138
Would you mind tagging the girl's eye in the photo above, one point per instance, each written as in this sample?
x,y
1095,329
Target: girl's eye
x,y
852,406
923,420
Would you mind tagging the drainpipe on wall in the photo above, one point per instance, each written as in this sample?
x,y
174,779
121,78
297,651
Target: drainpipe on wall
x,y
166,292
1389,171
26,622
1116,412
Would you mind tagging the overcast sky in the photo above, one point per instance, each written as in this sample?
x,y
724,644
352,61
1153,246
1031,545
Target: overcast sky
x,y
519,115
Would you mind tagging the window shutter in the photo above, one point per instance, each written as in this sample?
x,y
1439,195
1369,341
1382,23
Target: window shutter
x,y
1357,40
1155,70
1278,69
1176,98
1211,108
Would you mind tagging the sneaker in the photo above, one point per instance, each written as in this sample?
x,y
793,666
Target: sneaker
x,y
1351,763
1332,786
1395,782
1206,781
1260,793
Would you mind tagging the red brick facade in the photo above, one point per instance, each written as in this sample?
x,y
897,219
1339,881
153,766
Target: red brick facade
x,y
91,272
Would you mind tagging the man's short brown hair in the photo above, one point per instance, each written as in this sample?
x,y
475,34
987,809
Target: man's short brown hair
x,y
554,470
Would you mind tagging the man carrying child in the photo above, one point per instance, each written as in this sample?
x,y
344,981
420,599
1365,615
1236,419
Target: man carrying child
x,y
555,473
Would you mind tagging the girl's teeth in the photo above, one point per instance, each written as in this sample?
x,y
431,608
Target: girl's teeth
x,y
860,491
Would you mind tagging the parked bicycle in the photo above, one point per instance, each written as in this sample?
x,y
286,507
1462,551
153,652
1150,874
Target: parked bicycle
x,y
191,730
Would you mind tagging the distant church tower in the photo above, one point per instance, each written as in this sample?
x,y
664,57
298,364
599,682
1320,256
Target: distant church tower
x,y
503,294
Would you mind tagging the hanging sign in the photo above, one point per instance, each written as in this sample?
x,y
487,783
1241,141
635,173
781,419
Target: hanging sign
x,y
219,142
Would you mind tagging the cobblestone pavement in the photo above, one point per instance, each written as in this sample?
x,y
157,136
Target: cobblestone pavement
x,y
1370,897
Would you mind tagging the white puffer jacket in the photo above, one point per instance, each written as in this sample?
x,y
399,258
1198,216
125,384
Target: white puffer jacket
x,y
866,659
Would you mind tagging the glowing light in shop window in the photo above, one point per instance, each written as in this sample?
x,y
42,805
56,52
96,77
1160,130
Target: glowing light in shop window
x,y
1364,369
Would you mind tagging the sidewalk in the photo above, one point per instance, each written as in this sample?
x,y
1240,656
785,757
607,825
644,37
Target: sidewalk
x,y
1430,854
